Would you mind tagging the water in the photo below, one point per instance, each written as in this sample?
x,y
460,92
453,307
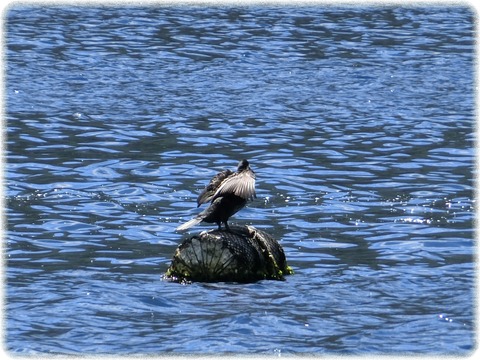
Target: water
x,y
358,121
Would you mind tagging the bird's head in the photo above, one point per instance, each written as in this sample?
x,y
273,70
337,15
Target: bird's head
x,y
243,165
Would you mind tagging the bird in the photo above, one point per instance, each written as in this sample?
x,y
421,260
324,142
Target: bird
x,y
228,192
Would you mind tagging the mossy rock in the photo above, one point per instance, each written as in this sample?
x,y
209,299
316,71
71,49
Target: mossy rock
x,y
244,254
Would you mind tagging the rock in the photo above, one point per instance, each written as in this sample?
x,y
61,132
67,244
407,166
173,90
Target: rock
x,y
245,254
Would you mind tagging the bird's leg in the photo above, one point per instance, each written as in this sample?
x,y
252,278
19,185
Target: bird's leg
x,y
235,231
219,223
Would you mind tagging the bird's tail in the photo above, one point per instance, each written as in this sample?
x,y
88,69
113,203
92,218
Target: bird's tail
x,y
190,223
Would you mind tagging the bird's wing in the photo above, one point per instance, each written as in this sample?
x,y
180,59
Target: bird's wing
x,y
242,184
207,194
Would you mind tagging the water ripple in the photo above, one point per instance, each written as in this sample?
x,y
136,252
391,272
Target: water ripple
x,y
358,122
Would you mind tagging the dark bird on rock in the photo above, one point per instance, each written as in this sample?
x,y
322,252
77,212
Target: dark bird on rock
x,y
228,192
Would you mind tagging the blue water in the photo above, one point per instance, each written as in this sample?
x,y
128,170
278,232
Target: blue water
x,y
358,121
